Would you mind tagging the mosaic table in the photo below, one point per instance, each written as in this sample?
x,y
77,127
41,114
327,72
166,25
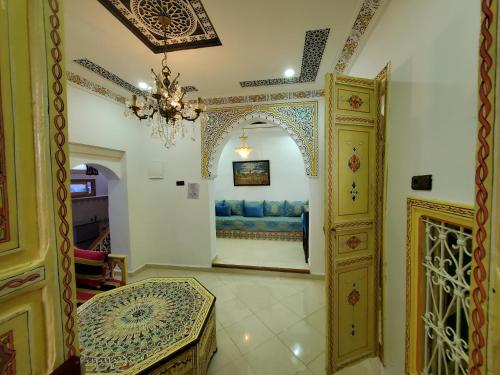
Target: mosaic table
x,y
154,326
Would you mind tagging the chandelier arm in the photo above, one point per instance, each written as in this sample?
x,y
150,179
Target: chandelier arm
x,y
190,118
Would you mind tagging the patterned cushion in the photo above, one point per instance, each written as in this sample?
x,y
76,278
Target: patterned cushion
x,y
294,208
236,207
254,209
222,209
90,268
273,208
263,224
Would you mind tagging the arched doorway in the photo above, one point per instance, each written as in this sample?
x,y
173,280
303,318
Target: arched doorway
x,y
276,238
90,206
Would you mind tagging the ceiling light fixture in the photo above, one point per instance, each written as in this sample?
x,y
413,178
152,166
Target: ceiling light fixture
x,y
289,73
143,85
243,149
162,103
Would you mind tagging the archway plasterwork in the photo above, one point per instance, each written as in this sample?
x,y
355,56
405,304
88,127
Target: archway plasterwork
x,y
298,119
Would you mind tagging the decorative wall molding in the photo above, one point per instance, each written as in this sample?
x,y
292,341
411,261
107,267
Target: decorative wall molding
x,y
484,173
314,47
365,15
4,202
95,87
228,100
16,282
298,119
262,98
60,166
190,25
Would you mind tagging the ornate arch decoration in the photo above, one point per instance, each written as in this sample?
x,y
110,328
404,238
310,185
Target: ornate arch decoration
x,y
298,119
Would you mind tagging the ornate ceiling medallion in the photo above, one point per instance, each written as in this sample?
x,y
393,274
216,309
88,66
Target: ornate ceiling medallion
x,y
190,26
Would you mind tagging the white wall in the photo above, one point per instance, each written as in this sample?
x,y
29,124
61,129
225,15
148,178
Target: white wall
x,y
165,227
288,177
433,47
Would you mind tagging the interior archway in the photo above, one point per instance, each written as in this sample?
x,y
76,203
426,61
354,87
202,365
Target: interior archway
x,y
298,119
288,181
114,195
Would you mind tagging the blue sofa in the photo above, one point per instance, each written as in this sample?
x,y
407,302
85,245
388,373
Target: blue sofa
x,y
282,218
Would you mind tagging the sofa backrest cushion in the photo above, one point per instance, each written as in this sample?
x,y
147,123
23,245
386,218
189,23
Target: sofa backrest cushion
x,y
274,208
254,208
90,268
294,208
236,207
222,209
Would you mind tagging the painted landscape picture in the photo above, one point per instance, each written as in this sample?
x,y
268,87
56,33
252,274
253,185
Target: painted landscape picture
x,y
251,173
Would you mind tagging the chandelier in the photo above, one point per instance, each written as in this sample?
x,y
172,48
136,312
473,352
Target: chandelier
x,y
243,149
162,104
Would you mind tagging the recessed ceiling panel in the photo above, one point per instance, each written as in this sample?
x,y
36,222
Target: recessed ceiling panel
x,y
190,26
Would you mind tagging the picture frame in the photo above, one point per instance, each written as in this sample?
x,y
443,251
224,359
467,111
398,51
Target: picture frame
x,y
251,173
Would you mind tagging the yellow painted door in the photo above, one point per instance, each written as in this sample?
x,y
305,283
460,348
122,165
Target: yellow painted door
x,y
350,220
37,291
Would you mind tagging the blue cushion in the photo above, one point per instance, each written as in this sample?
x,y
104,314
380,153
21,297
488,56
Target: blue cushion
x,y
222,209
236,207
294,208
254,209
273,208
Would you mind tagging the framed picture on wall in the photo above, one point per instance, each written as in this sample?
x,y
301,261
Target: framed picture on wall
x,y
251,173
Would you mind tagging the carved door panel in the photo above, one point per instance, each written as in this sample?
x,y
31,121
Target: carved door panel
x,y
350,193
37,322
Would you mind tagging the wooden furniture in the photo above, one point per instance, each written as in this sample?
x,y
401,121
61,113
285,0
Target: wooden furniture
x,y
154,326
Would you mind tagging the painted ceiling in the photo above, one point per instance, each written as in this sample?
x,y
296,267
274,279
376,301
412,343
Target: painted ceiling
x,y
221,48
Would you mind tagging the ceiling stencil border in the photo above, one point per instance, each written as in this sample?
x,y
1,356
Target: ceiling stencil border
x,y
298,119
365,16
314,47
110,76
229,100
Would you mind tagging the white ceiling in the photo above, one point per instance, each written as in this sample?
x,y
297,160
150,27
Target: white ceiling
x,y
260,39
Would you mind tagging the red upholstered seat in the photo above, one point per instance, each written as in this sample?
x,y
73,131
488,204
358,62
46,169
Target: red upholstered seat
x,y
91,269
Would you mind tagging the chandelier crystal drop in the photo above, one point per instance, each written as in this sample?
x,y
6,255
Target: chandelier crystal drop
x,y
243,149
163,105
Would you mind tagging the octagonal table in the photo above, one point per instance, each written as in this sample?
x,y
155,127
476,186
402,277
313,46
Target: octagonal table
x,y
154,326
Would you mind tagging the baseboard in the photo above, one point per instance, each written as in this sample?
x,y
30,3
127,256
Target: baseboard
x,y
261,268
250,271
168,266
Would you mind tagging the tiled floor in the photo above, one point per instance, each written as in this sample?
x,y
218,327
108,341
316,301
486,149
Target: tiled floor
x,y
261,253
267,324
